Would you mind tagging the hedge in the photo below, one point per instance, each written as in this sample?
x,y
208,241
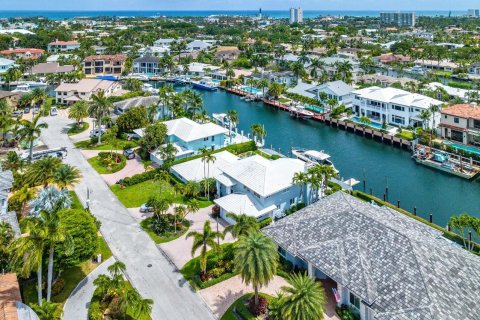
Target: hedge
x,y
264,223
460,85
139,178
447,234
205,284
303,99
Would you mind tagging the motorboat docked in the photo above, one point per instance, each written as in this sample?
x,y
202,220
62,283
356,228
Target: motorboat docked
x,y
147,87
222,120
446,162
29,86
415,70
300,112
205,83
137,76
182,80
313,157
109,77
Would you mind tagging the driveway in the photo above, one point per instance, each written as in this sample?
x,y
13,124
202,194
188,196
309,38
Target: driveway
x,y
179,250
76,306
148,269
220,296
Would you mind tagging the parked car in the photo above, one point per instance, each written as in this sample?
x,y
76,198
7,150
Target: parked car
x,y
144,208
53,111
35,110
26,110
129,154
96,132
17,113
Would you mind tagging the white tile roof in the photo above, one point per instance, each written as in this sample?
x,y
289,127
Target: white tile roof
x,y
86,85
397,96
243,204
263,176
193,170
188,130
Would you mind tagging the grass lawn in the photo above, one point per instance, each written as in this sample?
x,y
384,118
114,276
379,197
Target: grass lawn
x,y
75,129
159,239
98,165
241,308
118,145
283,100
76,204
138,194
407,135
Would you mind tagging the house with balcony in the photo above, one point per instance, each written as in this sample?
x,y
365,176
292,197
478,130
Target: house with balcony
x,y
62,46
383,264
148,65
69,93
335,90
258,187
22,53
394,106
461,123
188,137
104,64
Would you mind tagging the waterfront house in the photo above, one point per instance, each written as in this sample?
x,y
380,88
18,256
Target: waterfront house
x,y
188,137
283,77
474,69
461,123
61,46
147,65
394,106
164,42
387,58
154,51
42,69
335,90
121,107
6,64
385,81
227,53
331,64
258,187
197,69
22,53
198,45
386,265
104,64
69,93
443,65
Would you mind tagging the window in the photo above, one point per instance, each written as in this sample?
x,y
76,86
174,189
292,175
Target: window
x,y
446,116
292,201
205,139
354,301
398,120
398,108
213,138
456,120
476,124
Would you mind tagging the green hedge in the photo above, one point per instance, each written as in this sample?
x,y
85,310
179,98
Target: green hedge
x,y
447,234
264,223
202,285
460,85
140,177
303,99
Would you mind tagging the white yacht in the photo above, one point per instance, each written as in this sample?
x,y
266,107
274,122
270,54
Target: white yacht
x,y
147,87
300,112
313,157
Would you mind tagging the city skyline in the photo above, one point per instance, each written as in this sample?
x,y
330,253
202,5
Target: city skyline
x,y
196,5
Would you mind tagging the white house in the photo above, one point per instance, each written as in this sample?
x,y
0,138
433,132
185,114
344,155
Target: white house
x,y
393,106
258,187
69,93
201,69
164,42
6,64
198,45
335,90
59,46
149,65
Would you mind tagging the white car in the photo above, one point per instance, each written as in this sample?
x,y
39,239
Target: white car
x,y
144,208
96,132
53,111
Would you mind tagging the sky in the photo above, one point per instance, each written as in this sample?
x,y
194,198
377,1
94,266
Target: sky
x,y
159,5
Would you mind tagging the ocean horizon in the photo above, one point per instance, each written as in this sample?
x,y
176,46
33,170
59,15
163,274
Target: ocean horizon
x,y
65,14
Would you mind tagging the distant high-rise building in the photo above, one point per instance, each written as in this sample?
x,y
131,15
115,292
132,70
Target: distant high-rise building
x,y
401,19
473,13
296,15
260,13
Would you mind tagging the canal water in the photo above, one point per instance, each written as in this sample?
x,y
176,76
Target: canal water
x,y
431,191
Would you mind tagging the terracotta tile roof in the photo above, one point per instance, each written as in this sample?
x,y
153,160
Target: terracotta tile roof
x,y
110,57
22,50
467,111
9,294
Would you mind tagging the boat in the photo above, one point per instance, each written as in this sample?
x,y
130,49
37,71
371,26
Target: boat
x,y
222,120
313,157
415,70
147,87
137,76
182,80
446,162
300,112
29,86
109,77
205,83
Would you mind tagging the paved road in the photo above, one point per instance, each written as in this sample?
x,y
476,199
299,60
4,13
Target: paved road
x,y
148,269
76,306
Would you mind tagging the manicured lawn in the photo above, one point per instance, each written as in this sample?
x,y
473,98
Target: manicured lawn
x,y
76,204
75,129
283,100
98,165
241,308
138,194
159,239
118,145
407,135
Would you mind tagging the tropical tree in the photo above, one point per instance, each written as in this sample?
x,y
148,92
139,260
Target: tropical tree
x,y
256,260
66,176
304,298
232,116
425,116
300,178
78,111
100,108
208,158
22,196
463,225
6,120
259,132
13,74
243,226
39,96
7,235
203,240
263,84
30,131
365,120
50,199
433,111
276,89
47,310
42,172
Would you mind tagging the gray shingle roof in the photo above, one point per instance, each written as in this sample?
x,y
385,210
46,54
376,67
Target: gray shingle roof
x,y
401,268
11,219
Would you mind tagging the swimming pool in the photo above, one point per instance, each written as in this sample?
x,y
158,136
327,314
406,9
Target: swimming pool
x,y
251,89
462,147
372,124
315,108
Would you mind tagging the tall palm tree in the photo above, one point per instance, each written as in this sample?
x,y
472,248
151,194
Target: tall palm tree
x,y
196,104
232,116
304,299
209,158
39,95
425,116
66,176
244,225
256,259
100,107
203,240
12,75
6,120
142,308
300,178
204,151
24,195
30,131
259,132
433,111
78,111
42,171
50,199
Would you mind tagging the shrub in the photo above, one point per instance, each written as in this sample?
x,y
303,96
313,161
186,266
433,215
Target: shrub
x,y
216,272
94,311
58,286
259,309
242,147
139,178
264,223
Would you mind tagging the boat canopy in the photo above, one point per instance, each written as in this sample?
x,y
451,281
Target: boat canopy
x,y
319,155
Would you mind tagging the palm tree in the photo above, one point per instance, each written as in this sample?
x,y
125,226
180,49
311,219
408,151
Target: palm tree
x,y
42,172
259,132
203,151
78,111
50,199
209,158
30,131
297,69
100,107
365,120
232,116
12,75
66,176
203,240
256,259
275,89
196,104
263,84
46,311
300,178
142,308
39,95
433,111
24,195
425,116
28,250
243,226
117,268
6,120
304,299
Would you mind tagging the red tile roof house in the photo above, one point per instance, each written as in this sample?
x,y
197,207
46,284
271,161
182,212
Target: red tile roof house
x,y
461,123
11,306
389,58
59,46
104,64
22,53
